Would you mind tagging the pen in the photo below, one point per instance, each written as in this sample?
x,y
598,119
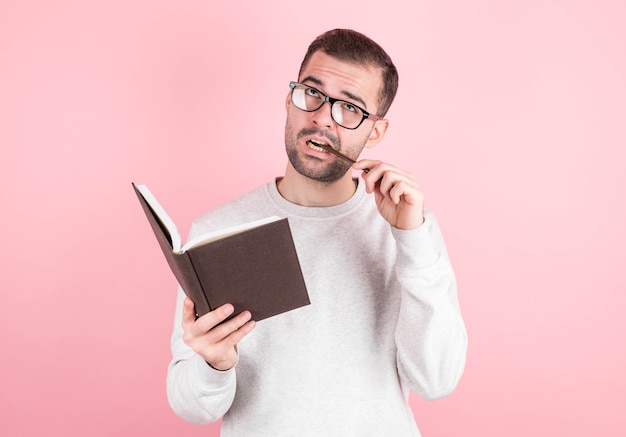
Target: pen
x,y
330,149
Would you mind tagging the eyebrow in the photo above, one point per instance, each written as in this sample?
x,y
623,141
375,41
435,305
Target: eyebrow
x,y
347,94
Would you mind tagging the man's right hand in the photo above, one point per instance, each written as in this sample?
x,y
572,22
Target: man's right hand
x,y
215,342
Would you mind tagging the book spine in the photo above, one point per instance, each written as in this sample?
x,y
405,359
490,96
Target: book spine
x,y
180,263
187,276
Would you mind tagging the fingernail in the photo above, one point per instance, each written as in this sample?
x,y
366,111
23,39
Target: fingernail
x,y
228,309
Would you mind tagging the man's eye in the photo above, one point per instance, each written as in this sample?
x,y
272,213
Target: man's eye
x,y
349,107
312,92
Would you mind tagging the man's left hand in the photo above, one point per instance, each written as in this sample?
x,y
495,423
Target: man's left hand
x,y
398,196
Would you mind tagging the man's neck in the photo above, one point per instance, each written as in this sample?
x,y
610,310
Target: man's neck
x,y
304,191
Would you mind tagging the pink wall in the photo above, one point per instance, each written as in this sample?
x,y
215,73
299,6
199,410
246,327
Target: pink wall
x,y
512,115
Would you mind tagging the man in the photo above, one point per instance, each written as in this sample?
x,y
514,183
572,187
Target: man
x,y
384,315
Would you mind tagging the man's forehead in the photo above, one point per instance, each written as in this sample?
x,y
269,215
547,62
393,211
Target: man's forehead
x,y
357,82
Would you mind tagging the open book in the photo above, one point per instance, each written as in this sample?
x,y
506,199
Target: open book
x,y
253,266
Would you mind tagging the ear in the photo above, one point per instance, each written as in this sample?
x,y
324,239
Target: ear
x,y
288,101
377,133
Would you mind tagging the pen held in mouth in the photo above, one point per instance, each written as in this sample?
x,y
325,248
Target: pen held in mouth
x,y
330,149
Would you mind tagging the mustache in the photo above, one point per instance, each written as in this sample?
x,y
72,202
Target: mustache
x,y
332,139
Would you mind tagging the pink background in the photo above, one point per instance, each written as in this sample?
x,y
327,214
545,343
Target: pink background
x,y
512,115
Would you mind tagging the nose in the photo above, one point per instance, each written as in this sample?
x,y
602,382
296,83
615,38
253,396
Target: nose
x,y
322,117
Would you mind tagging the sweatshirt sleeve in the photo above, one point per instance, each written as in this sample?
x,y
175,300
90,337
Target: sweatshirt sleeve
x,y
431,338
195,391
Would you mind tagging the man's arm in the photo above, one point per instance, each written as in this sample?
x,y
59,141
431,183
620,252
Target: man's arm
x,y
430,335
201,379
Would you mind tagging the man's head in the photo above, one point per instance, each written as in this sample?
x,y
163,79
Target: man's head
x,y
345,81
354,47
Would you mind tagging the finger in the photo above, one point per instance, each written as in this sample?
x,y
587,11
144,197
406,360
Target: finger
x,y
384,174
223,330
365,164
212,319
399,191
394,178
223,355
235,336
189,312
407,191
372,176
387,182
224,337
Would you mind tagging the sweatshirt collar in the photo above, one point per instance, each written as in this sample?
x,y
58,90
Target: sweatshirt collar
x,y
292,209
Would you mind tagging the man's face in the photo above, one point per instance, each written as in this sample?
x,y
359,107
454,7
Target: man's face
x,y
353,83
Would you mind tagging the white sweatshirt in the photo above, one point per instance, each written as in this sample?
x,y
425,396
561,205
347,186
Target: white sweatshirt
x,y
384,318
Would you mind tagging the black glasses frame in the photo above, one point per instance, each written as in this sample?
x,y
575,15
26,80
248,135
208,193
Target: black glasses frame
x,y
332,101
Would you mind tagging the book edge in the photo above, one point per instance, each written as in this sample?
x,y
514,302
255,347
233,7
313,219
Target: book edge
x,y
227,232
162,215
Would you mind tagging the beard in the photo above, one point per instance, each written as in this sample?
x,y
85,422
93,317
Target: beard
x,y
326,172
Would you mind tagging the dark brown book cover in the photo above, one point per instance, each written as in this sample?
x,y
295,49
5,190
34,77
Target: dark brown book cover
x,y
255,269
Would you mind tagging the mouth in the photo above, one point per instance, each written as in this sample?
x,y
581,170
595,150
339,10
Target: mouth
x,y
318,145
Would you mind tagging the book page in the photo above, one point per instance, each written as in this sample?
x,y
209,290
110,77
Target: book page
x,y
162,216
222,233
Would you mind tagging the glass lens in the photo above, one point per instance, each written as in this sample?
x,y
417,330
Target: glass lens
x,y
346,114
306,98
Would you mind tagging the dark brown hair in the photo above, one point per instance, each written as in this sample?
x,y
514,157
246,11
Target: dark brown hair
x,y
352,46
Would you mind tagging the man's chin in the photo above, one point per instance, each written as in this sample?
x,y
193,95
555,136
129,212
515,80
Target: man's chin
x,y
327,174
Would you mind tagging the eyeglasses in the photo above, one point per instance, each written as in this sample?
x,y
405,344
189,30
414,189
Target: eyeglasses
x,y
345,114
